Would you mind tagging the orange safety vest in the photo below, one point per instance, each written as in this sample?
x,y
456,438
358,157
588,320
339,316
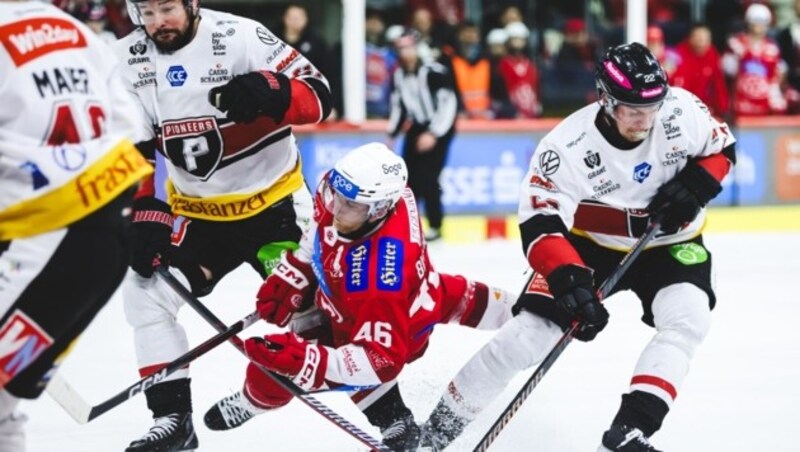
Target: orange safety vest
x,y
473,83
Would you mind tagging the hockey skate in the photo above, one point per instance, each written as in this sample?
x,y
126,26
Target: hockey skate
x,y
171,433
625,439
441,429
402,435
231,412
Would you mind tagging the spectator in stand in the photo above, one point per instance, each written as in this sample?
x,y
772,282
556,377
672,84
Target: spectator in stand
x,y
502,108
294,30
753,61
699,70
520,74
430,43
97,21
577,49
573,72
78,9
665,55
381,62
509,15
789,45
450,12
496,44
472,72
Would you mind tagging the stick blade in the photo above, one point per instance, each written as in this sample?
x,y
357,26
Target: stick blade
x,y
69,399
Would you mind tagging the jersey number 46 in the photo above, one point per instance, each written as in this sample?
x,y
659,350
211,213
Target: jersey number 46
x,y
379,333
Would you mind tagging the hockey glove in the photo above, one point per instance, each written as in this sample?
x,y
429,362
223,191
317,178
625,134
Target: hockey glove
x,y
152,233
246,96
680,200
284,290
289,355
573,289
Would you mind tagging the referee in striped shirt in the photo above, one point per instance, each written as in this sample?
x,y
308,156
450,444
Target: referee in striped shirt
x,y
424,93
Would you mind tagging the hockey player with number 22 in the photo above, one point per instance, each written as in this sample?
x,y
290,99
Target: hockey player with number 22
x,y
379,291
644,151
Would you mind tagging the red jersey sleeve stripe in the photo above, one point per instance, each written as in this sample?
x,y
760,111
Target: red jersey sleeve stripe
x,y
717,165
550,252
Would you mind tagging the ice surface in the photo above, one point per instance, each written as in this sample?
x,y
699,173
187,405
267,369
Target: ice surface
x,y
741,394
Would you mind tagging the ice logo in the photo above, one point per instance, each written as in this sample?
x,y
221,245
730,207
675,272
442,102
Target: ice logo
x,y
641,172
176,75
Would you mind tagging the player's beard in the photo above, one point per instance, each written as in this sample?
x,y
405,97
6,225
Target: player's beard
x,y
172,39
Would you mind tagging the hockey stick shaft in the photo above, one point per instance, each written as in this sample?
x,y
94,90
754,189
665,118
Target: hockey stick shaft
x,y
605,289
63,393
284,382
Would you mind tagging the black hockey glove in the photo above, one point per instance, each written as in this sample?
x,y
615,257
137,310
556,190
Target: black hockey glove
x,y
573,289
680,200
152,231
246,96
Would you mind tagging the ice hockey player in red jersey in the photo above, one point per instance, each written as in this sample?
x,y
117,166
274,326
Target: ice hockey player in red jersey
x,y
594,183
378,289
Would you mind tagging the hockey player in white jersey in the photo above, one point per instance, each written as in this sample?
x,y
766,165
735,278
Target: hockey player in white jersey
x,y
68,168
221,94
594,183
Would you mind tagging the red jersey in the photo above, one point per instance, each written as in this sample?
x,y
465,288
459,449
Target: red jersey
x,y
522,83
702,76
380,292
757,89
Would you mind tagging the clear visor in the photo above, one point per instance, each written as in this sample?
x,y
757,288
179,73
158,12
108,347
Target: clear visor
x,y
634,113
344,209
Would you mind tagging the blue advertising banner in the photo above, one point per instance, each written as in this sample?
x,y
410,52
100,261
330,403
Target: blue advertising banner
x,y
482,175
484,169
746,184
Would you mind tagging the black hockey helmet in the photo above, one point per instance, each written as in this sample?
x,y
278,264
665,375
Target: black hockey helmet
x,y
630,74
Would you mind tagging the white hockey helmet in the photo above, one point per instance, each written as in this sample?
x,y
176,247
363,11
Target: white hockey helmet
x,y
370,174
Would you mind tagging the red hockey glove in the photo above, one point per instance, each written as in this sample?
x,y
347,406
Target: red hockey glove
x,y
289,355
284,290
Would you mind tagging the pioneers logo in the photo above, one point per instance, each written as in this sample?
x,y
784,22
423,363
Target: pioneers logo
x,y
32,38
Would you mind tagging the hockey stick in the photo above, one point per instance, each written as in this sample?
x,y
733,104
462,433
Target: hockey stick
x,y
69,399
565,339
285,383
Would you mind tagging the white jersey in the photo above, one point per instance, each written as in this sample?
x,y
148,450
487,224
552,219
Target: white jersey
x,y
602,192
64,121
209,156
